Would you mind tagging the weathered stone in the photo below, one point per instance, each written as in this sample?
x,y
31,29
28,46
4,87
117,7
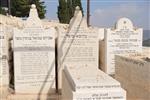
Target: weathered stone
x,y
123,39
34,57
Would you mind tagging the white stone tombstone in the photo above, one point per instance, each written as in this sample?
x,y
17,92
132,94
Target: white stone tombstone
x,y
34,57
84,83
79,46
123,39
4,68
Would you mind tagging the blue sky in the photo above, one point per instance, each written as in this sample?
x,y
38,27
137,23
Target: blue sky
x,y
104,13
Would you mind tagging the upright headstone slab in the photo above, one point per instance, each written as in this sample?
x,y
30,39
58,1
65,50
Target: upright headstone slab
x,y
123,39
4,69
79,46
84,83
34,57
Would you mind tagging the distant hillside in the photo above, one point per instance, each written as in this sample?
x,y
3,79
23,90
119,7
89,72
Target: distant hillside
x,y
146,35
146,43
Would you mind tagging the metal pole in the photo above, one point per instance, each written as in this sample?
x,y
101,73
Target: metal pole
x,y
9,7
88,13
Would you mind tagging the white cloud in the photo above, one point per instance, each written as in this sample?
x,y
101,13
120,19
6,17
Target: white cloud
x,y
106,17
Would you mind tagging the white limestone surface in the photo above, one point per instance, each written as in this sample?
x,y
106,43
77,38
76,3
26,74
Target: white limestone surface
x,y
83,83
34,57
89,79
123,39
4,67
78,46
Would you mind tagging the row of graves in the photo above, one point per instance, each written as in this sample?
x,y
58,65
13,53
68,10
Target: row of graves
x,y
123,57
73,63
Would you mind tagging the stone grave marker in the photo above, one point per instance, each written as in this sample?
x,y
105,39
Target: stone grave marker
x,y
123,39
34,57
4,64
79,46
84,83
4,67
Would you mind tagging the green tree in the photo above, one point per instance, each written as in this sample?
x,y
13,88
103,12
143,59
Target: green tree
x,y
63,12
2,11
76,3
21,8
66,9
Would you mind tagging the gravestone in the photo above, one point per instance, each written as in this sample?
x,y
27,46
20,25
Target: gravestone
x,y
4,75
34,57
84,83
123,39
79,46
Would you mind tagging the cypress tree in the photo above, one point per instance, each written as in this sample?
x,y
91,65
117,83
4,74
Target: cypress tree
x,y
66,9
70,8
21,8
62,11
2,11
